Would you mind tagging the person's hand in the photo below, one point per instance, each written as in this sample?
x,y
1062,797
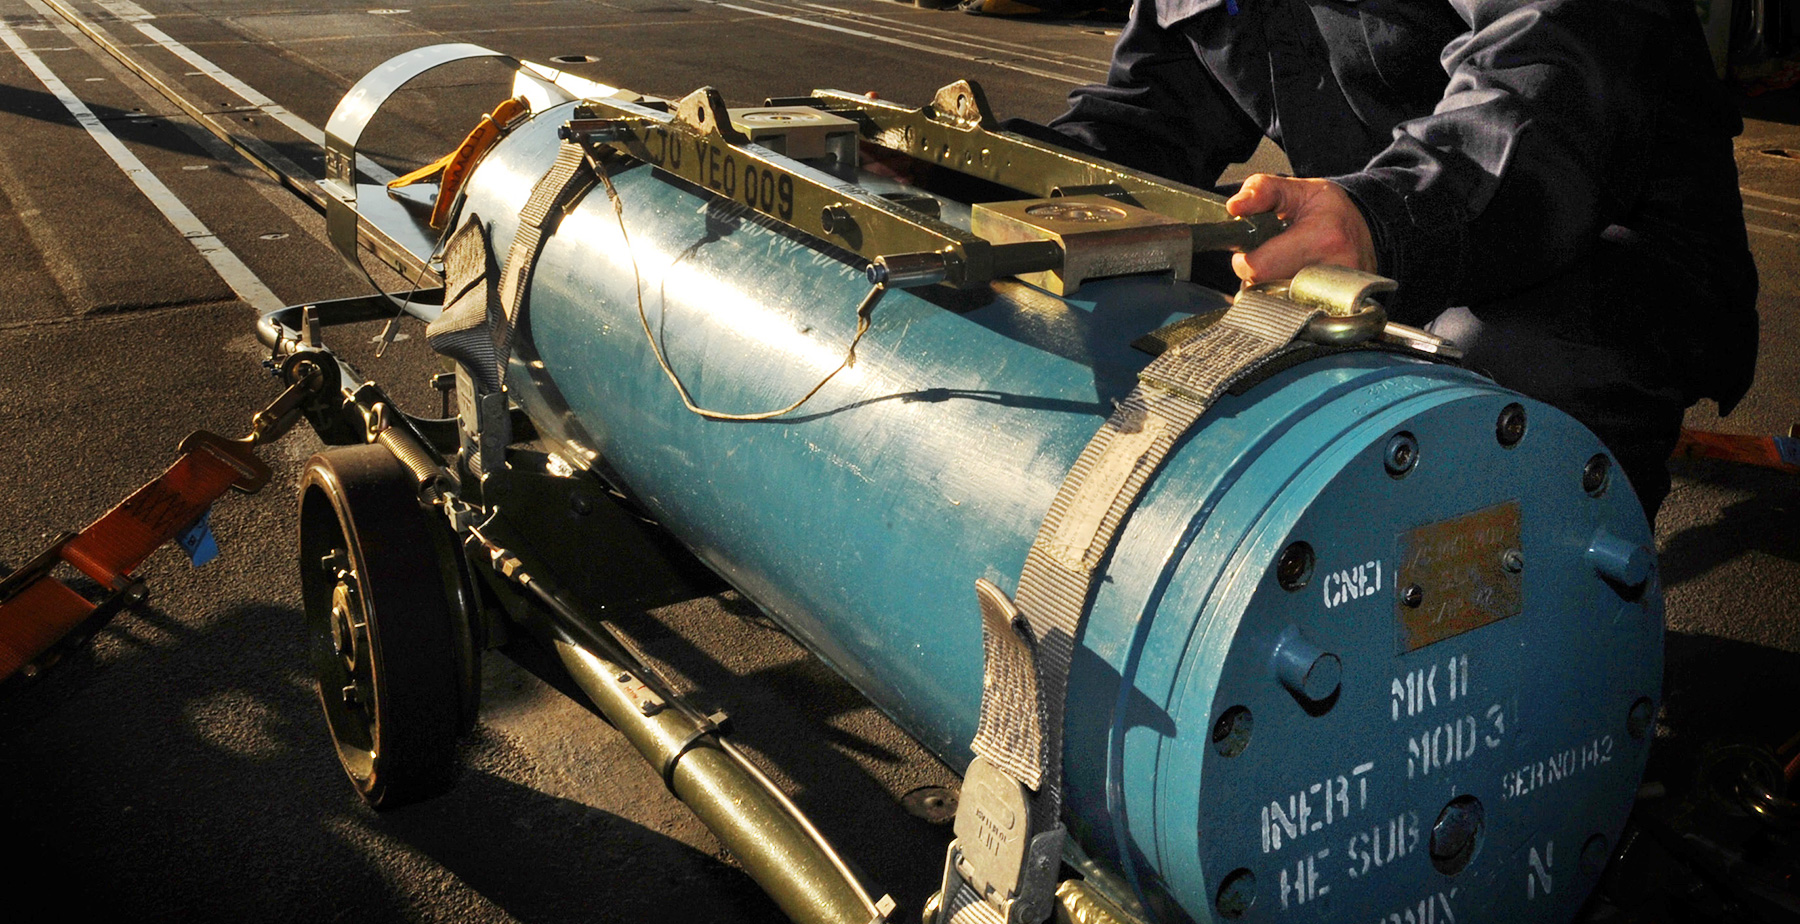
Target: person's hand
x,y
1324,226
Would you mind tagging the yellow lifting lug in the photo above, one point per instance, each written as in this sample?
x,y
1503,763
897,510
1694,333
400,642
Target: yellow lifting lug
x,y
964,105
1345,295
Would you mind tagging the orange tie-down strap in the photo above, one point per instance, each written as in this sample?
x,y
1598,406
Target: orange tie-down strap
x,y
38,614
450,170
1781,453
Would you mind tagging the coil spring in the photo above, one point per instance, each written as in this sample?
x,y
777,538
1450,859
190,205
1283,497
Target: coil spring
x,y
407,449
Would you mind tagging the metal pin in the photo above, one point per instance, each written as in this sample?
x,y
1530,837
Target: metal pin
x,y
1307,670
1626,563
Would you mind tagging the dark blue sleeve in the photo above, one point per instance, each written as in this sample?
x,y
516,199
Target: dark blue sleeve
x,y
1538,145
1160,110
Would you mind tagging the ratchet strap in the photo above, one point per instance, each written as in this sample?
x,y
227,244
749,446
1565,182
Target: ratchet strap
x,y
1781,453
37,610
1002,866
555,193
481,316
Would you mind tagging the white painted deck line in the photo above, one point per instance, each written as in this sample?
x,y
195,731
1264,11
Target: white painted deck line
x,y
238,276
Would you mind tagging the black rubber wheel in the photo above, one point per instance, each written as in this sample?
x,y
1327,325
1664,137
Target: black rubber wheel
x,y
387,631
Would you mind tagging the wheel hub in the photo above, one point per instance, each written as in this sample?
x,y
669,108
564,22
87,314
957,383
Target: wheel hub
x,y
346,624
349,629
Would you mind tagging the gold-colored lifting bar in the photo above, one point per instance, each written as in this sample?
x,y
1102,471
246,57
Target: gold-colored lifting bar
x,y
956,131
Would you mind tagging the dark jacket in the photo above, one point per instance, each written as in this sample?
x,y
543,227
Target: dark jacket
x,y
1571,157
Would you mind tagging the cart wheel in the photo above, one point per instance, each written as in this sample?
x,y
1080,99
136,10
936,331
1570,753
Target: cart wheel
x,y
386,630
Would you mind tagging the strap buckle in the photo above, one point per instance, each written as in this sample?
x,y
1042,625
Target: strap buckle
x,y
1002,867
996,859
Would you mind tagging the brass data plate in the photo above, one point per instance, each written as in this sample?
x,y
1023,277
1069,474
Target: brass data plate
x,y
1460,567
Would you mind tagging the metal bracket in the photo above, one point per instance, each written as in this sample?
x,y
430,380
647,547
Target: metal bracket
x,y
1339,290
718,723
884,910
956,131
964,105
1353,316
693,145
1099,236
701,111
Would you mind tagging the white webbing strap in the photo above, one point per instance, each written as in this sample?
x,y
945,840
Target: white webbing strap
x,y
557,191
1006,834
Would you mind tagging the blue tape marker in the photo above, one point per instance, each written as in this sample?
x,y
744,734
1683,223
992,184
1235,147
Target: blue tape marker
x,y
197,540
1789,447
1231,7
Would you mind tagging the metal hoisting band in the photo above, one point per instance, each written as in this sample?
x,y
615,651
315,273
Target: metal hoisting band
x,y
343,131
1021,726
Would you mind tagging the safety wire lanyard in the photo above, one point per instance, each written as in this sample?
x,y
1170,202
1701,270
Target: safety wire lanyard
x,y
864,310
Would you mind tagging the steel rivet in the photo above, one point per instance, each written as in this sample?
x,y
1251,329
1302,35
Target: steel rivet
x,y
1401,455
1456,835
1413,595
581,504
1236,894
1594,474
1513,561
1509,429
1295,565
